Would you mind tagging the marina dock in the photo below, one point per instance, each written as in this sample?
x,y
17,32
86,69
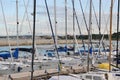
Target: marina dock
x,y
45,74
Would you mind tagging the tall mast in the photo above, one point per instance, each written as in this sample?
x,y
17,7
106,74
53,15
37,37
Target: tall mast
x,y
17,25
99,23
66,22
33,41
110,35
89,33
117,52
59,65
55,22
73,25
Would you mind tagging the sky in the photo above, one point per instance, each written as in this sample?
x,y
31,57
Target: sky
x,y
25,17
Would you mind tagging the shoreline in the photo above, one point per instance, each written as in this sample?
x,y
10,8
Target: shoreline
x,y
13,42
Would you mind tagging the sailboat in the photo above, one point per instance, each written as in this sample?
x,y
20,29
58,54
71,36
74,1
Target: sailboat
x,y
9,59
102,75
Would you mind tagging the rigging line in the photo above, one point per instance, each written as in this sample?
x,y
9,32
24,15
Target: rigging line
x,y
117,47
21,25
26,12
83,15
95,15
106,24
44,10
52,33
104,34
80,30
26,6
84,11
104,13
106,21
8,39
98,24
85,20
108,16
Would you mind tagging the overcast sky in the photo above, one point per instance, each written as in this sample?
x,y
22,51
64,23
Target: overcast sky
x,y
25,9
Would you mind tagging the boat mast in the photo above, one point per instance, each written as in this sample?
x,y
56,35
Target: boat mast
x,y
73,26
59,64
66,23
55,22
117,52
99,23
17,23
89,34
111,9
33,41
